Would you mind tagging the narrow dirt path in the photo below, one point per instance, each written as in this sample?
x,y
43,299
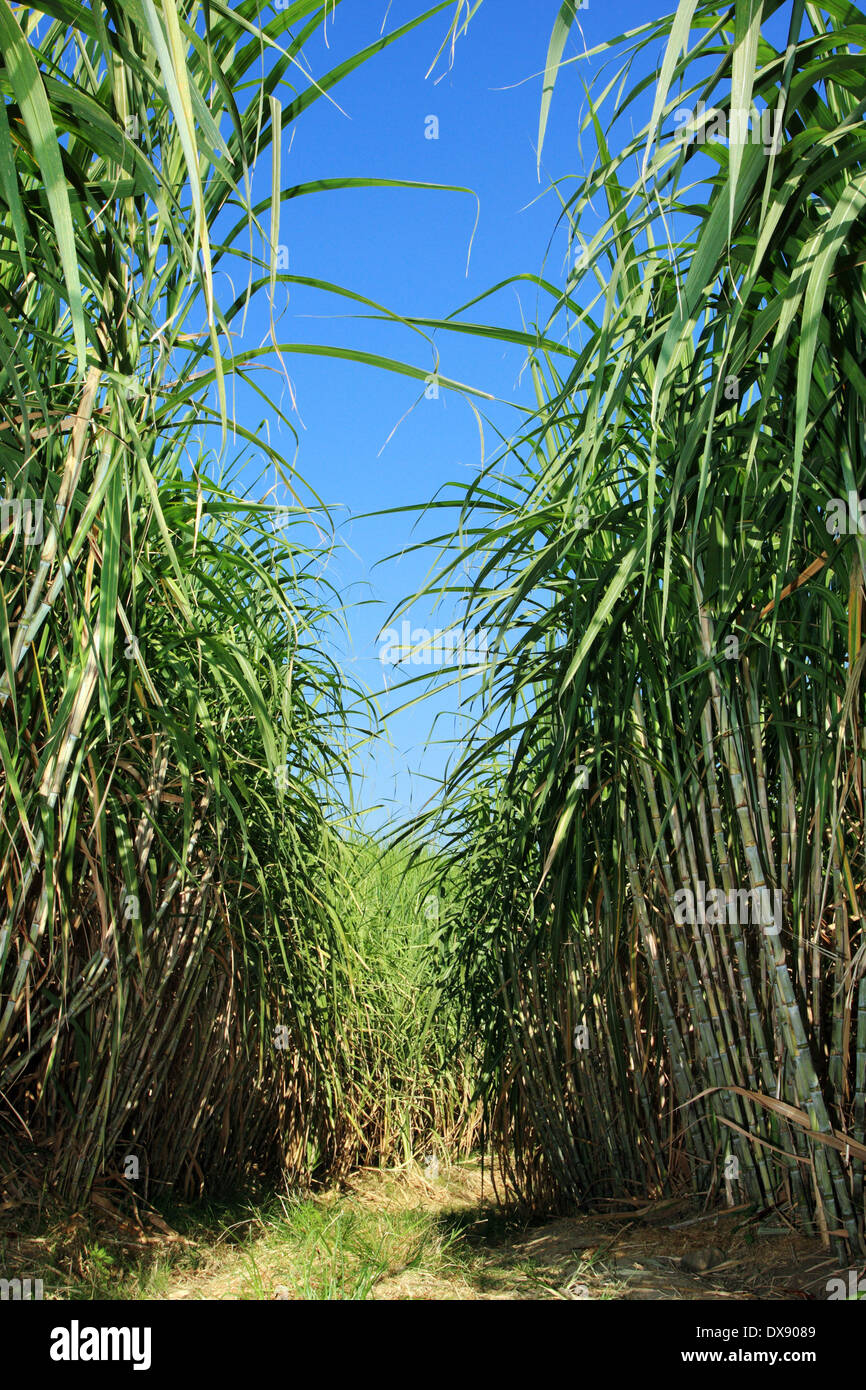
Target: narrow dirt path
x,y
411,1236
414,1234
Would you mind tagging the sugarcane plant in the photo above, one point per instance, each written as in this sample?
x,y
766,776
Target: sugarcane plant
x,y
177,996
663,934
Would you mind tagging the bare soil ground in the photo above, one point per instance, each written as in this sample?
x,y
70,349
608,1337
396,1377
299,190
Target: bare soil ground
x,y
655,1251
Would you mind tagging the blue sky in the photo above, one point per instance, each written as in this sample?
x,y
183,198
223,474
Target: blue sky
x,y
367,443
